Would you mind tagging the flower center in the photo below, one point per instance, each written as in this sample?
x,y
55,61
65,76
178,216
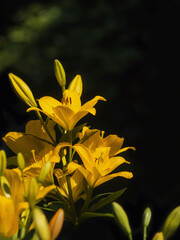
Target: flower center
x,y
35,158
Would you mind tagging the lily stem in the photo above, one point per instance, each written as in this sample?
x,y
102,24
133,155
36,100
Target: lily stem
x,y
71,198
88,200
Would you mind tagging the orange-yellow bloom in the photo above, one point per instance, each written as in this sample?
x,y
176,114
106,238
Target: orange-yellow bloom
x,y
77,184
9,221
69,111
99,156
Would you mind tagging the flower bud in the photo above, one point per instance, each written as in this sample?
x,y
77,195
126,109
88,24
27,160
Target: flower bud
x,y
22,90
122,219
146,217
44,172
3,162
20,161
76,85
158,236
5,186
171,223
60,74
32,192
56,223
41,224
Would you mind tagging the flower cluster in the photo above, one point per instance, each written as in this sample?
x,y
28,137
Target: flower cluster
x,y
56,158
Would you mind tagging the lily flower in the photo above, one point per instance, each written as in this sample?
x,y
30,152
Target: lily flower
x,y
13,205
77,184
99,157
35,146
8,217
69,111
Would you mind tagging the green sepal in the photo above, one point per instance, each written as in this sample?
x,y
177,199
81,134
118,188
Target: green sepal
x,y
110,198
87,215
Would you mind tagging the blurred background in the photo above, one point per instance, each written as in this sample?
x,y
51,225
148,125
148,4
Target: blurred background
x,y
126,51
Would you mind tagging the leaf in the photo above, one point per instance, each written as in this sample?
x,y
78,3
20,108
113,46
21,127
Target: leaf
x,y
100,196
103,202
88,215
12,161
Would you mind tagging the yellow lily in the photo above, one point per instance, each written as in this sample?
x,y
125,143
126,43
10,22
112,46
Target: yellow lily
x,y
13,206
69,111
99,156
29,144
36,152
77,184
8,217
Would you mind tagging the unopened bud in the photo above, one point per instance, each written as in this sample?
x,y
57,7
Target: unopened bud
x,y
41,224
60,74
76,85
56,224
5,186
20,161
122,219
3,162
44,172
158,236
171,223
32,192
22,90
146,217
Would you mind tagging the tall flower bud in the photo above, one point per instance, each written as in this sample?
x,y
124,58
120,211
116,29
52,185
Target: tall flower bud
x,y
146,220
44,172
171,223
41,224
32,192
60,74
22,90
20,161
56,223
122,219
3,162
76,85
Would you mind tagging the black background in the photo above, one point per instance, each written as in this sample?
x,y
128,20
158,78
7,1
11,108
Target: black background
x,y
126,51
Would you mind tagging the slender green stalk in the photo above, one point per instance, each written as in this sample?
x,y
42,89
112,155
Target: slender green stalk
x,y
45,127
144,233
71,198
87,200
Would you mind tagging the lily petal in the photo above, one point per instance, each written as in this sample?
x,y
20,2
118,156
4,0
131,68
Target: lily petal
x,y
106,178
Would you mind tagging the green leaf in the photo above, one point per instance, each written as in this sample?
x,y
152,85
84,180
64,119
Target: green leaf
x,y
87,215
12,161
103,202
100,196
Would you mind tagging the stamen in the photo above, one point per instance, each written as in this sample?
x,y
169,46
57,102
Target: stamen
x,y
35,158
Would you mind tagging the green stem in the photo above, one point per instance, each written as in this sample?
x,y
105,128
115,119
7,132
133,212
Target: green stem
x,y
144,233
45,127
71,198
70,149
87,200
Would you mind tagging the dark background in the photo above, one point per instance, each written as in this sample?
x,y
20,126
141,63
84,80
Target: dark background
x,y
126,51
